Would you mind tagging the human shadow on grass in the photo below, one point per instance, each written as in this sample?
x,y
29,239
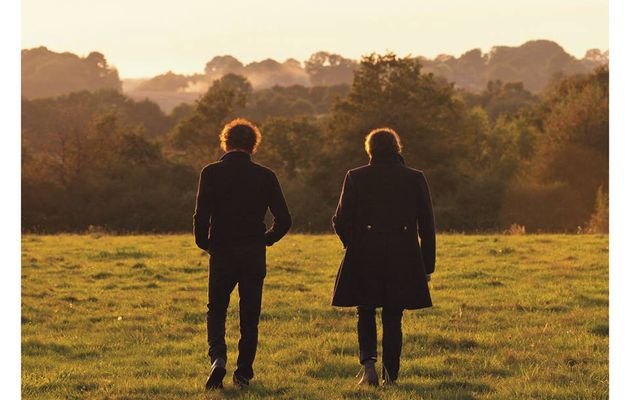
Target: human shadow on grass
x,y
443,343
255,389
336,369
290,314
447,389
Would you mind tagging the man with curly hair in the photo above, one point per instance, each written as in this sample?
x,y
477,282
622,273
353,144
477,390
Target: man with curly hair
x,y
233,197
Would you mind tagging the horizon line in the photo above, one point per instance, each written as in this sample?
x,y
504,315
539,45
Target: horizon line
x,y
247,62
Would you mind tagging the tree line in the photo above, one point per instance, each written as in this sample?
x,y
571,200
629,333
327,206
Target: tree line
x,y
46,73
533,63
495,159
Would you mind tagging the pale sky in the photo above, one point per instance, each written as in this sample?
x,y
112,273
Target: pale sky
x,y
143,38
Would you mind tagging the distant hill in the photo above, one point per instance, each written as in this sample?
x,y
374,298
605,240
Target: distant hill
x,y
46,73
534,63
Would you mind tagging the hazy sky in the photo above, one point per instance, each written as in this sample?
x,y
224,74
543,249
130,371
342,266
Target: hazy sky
x,y
148,37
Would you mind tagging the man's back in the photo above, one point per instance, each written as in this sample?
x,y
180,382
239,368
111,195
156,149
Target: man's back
x,y
383,208
233,197
232,200
387,193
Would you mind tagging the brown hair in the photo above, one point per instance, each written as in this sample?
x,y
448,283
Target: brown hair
x,y
382,142
240,134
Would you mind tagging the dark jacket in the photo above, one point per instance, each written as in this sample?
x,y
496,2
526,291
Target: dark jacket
x,y
232,200
383,208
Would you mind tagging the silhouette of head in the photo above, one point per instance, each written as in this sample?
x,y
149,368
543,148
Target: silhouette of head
x,y
382,142
240,134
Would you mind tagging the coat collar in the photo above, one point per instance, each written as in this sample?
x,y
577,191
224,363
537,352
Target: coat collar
x,y
236,155
392,159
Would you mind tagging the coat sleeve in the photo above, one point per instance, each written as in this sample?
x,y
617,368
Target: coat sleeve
x,y
426,225
203,211
344,219
280,211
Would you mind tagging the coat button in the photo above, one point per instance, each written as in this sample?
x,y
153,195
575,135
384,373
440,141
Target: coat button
x,y
369,226
405,228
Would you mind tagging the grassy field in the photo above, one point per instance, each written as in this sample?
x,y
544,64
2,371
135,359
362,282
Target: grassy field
x,y
123,317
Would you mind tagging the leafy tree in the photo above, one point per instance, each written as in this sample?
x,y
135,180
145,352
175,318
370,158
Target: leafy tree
x,y
268,73
165,82
44,120
223,65
501,98
570,161
181,111
296,100
534,63
46,73
392,91
195,140
326,69
109,176
290,145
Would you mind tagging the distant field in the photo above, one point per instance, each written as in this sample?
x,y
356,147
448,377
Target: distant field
x,y
123,317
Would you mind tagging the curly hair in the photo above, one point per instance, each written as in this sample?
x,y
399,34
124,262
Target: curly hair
x,y
240,134
382,142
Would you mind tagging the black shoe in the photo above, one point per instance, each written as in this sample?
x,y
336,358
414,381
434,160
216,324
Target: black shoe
x,y
387,380
240,381
370,377
217,372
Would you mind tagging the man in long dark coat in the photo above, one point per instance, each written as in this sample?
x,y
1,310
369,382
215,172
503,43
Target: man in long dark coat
x,y
384,207
233,197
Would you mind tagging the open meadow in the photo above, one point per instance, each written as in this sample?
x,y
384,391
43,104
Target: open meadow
x,y
123,317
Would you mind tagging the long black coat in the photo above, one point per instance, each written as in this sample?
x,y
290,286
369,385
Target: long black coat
x,y
383,208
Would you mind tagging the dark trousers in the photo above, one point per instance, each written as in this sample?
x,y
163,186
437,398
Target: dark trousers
x,y
245,267
392,337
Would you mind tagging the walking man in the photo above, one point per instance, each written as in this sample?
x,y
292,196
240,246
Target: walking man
x,y
233,197
384,207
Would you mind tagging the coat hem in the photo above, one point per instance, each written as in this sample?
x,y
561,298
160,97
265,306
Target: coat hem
x,y
414,307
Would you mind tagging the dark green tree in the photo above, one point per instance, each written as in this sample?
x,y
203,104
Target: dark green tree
x,y
570,161
195,140
392,91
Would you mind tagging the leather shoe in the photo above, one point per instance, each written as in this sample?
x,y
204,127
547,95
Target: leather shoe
x,y
240,381
387,380
217,372
370,377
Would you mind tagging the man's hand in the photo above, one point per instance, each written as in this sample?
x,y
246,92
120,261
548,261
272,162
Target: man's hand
x,y
428,277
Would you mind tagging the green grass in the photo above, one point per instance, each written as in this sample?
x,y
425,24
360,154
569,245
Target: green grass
x,y
123,317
